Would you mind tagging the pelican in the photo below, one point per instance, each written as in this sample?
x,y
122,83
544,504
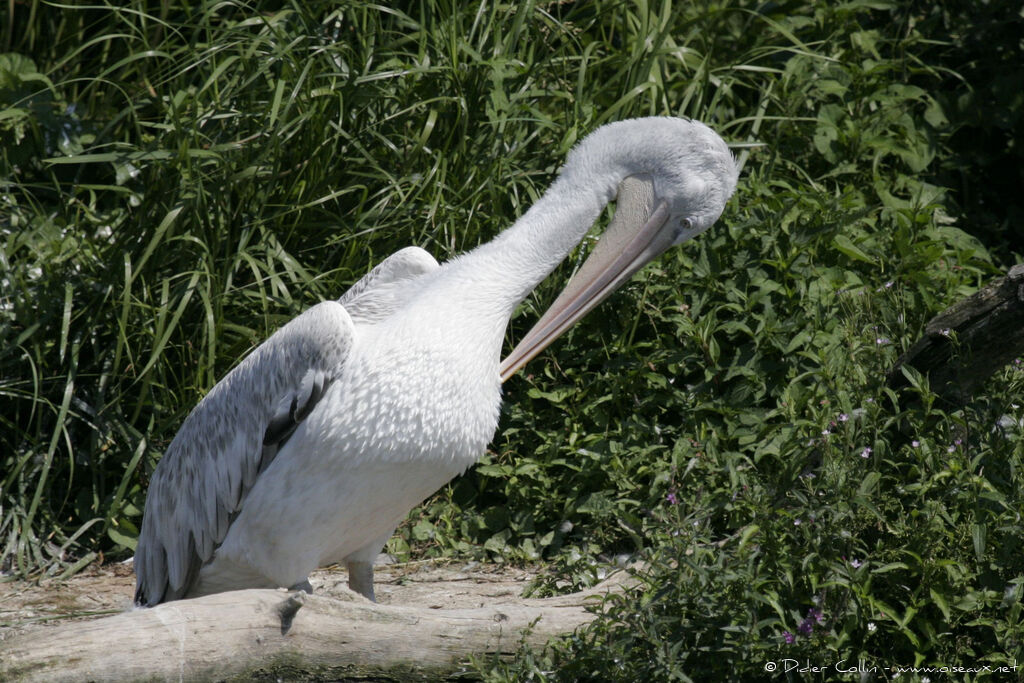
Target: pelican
x,y
315,447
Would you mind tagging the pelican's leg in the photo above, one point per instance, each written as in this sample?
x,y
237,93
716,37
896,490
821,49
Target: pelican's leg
x,y
303,586
360,578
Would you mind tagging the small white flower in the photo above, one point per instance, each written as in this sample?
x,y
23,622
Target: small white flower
x,y
871,627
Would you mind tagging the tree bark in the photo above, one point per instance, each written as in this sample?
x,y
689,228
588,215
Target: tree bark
x,y
962,346
268,634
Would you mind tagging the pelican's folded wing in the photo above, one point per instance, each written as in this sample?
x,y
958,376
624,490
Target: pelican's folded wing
x,y
228,439
238,428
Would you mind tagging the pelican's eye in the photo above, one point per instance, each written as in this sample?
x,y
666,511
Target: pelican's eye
x,y
684,231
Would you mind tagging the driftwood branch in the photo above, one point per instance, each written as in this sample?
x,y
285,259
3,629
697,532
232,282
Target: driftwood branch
x,y
273,634
962,346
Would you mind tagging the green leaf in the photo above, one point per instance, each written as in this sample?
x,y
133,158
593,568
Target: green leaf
x,y
749,532
847,247
868,483
979,536
423,530
940,601
122,539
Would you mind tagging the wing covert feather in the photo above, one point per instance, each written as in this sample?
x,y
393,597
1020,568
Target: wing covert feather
x,y
216,456
383,290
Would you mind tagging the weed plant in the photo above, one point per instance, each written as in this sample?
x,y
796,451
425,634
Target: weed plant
x,y
177,180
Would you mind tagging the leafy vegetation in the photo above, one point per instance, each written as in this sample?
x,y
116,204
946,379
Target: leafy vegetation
x,y
176,181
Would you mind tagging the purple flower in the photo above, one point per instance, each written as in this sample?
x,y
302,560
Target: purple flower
x,y
806,627
671,498
817,615
789,637
915,443
855,563
866,452
843,417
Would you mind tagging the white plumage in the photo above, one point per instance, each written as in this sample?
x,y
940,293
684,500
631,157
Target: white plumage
x,y
315,447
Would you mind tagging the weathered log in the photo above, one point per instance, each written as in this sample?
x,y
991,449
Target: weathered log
x,y
273,634
962,346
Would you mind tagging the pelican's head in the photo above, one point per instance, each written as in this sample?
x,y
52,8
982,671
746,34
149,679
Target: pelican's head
x,y
671,179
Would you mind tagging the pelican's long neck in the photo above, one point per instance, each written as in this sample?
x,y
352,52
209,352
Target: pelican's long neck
x,y
505,270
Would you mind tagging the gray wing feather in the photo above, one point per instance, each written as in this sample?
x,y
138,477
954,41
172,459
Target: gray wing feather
x,y
214,460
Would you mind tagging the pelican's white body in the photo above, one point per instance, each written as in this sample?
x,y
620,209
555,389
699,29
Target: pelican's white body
x,y
417,404
401,376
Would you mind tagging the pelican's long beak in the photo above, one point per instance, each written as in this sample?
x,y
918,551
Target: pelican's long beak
x,y
637,235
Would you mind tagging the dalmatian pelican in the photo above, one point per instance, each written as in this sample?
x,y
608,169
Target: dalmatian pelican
x,y
316,446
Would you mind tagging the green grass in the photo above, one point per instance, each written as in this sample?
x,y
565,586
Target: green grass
x,y
177,181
